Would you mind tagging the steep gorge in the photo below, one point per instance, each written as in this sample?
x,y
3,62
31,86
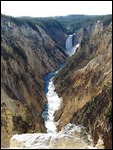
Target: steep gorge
x,y
27,54
85,86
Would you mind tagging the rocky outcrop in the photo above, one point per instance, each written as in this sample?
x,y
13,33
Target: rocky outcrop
x,y
88,31
71,136
29,50
96,116
27,54
17,117
85,86
56,31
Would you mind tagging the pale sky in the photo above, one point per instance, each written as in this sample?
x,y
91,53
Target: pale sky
x,y
55,8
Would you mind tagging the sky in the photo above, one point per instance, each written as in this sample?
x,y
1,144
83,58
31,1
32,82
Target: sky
x,y
55,8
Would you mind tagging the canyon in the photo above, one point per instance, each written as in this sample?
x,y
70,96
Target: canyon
x,y
85,87
33,48
28,53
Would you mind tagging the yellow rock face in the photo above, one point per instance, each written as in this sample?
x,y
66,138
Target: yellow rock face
x,y
28,53
85,86
15,118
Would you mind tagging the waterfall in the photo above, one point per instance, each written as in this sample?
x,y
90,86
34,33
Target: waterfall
x,y
68,45
53,101
70,49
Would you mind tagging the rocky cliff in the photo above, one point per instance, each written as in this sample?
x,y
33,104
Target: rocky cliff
x,y
85,87
30,48
55,30
27,54
88,31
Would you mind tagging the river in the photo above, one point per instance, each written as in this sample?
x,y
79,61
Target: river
x,y
53,102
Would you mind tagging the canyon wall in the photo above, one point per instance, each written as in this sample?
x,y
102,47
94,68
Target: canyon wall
x,y
88,31
85,87
27,54
30,48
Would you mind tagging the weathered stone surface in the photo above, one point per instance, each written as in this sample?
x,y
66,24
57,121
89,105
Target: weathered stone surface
x,y
16,118
85,86
27,54
70,136
88,32
36,140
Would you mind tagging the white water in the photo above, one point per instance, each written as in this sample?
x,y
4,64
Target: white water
x,y
69,45
53,101
53,104
70,137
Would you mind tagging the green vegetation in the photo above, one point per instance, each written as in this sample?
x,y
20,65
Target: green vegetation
x,y
84,41
13,50
20,125
74,22
18,51
49,23
109,113
45,23
68,24
106,20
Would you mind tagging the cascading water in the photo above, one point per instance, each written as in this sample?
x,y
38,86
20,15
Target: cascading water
x,y
71,136
70,49
52,105
68,44
53,102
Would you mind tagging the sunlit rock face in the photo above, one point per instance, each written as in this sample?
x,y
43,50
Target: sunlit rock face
x,y
85,86
71,136
58,33
16,118
27,54
88,31
73,41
